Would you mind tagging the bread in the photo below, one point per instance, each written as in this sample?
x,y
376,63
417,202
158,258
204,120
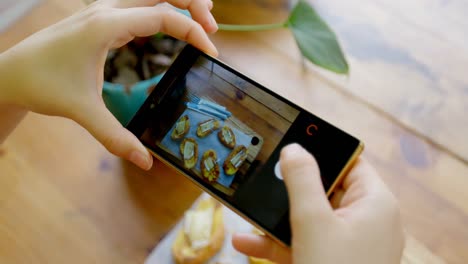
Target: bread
x,y
253,260
227,137
209,166
181,128
207,127
235,159
189,151
182,248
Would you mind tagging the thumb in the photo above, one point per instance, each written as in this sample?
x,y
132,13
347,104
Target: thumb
x,y
307,198
100,122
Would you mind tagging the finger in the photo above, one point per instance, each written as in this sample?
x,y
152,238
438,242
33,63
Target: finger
x,y
337,197
200,11
134,3
301,175
362,187
261,247
362,174
106,129
142,22
130,3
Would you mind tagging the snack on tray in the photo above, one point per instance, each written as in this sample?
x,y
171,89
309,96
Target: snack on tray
x,y
181,128
253,260
227,137
235,159
189,151
207,127
209,166
202,235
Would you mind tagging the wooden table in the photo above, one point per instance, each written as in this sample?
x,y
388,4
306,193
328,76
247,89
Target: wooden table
x,y
64,199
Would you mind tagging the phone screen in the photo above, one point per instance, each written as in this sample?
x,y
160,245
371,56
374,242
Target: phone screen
x,y
225,132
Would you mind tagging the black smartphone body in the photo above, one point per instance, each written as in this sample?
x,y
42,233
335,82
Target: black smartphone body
x,y
225,132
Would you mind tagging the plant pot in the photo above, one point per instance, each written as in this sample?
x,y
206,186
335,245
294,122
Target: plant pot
x,y
124,96
124,103
132,71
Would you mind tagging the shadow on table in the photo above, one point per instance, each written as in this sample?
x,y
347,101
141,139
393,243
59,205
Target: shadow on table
x,y
161,194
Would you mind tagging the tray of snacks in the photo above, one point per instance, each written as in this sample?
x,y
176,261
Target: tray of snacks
x,y
212,144
204,236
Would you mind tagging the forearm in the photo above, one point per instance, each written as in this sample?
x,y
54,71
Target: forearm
x,y
10,113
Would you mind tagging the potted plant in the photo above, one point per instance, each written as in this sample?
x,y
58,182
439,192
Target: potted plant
x,y
316,41
133,70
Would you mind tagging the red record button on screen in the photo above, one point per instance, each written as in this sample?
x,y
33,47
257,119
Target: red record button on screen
x,y
311,129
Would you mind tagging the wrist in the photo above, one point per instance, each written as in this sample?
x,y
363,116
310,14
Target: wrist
x,y
9,79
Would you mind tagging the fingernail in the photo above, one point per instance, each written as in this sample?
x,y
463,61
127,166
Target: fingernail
x,y
140,159
213,22
241,235
291,150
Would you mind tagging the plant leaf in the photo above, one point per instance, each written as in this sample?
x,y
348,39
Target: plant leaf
x,y
315,39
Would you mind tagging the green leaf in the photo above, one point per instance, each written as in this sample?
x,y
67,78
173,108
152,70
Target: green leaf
x,y
315,39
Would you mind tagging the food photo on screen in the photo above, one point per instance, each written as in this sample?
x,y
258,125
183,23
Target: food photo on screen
x,y
219,127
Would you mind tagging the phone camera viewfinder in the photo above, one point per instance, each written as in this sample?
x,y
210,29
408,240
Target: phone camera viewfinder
x,y
255,141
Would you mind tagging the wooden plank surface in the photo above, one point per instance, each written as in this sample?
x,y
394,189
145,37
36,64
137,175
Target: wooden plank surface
x,y
419,48
63,198
407,60
78,202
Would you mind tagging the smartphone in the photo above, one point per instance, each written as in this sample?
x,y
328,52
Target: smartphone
x,y
225,132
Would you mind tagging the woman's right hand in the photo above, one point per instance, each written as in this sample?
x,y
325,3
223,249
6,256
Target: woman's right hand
x,y
361,224
58,71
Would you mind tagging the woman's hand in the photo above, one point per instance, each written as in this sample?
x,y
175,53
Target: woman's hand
x,y
361,225
59,70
